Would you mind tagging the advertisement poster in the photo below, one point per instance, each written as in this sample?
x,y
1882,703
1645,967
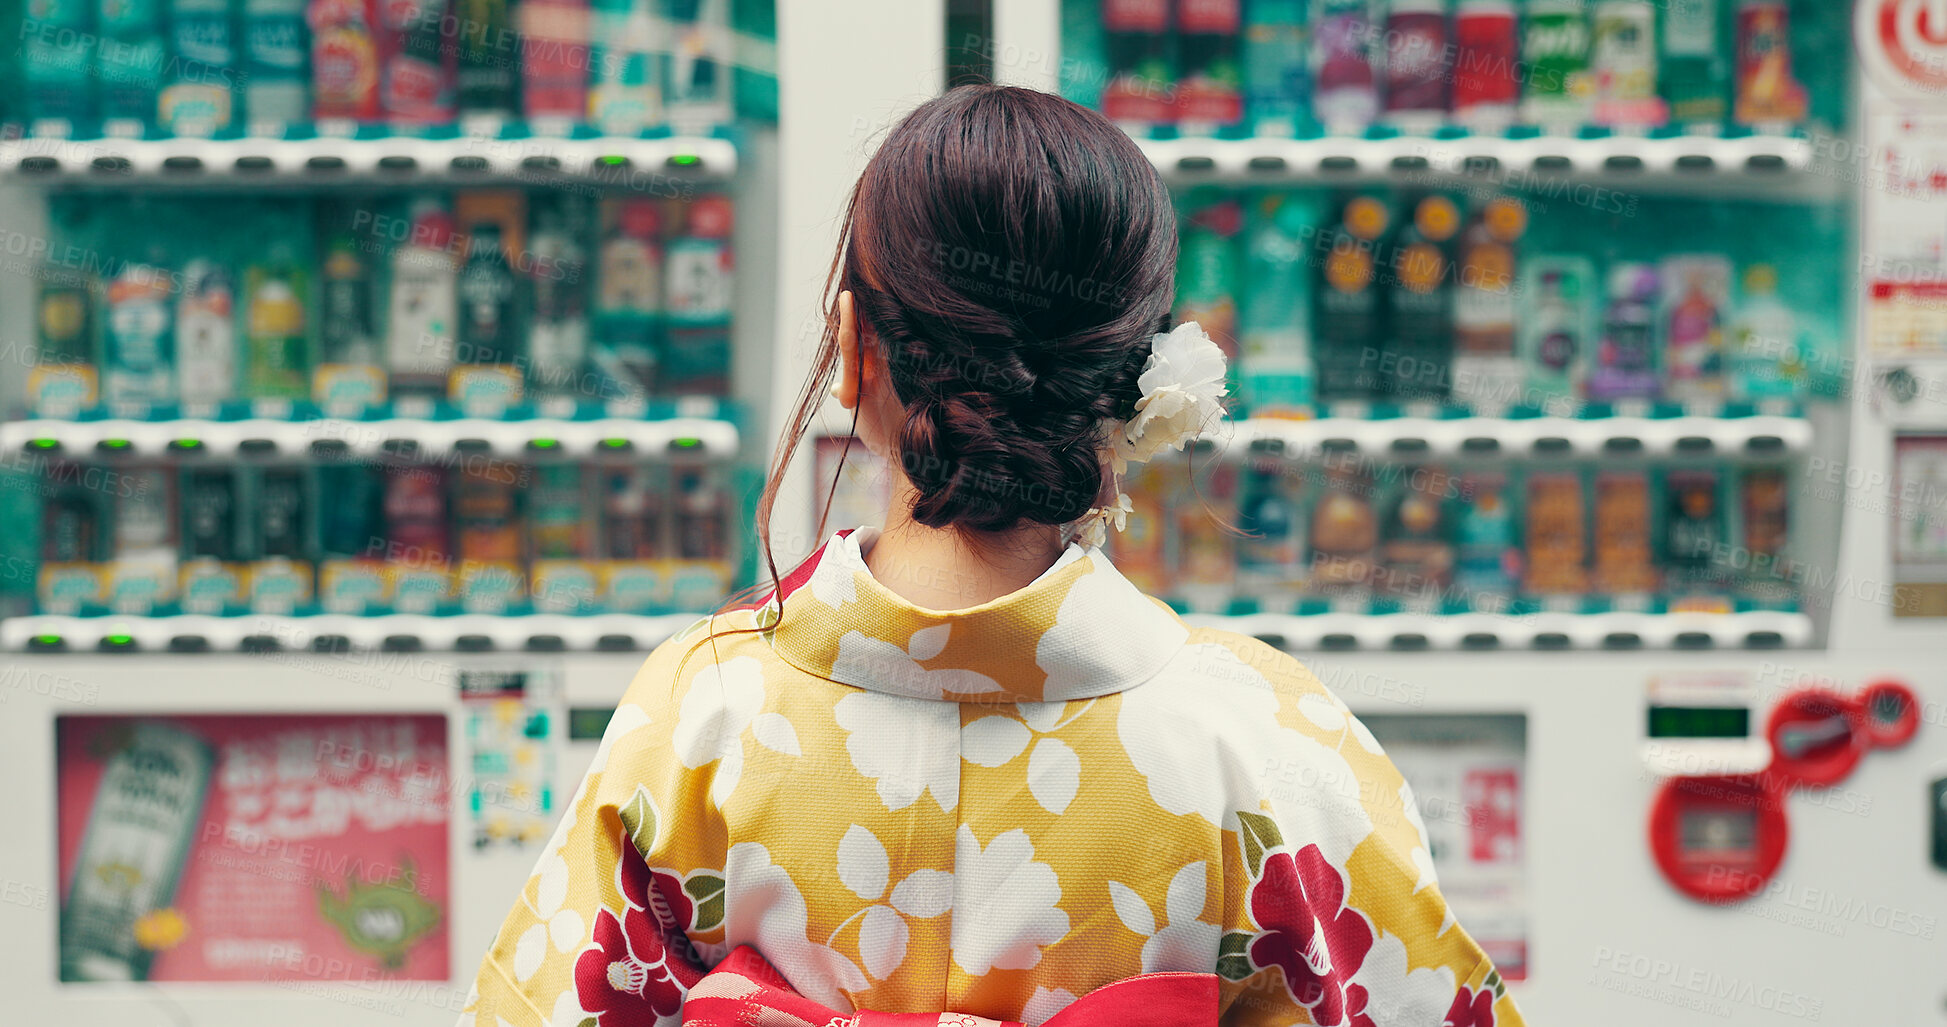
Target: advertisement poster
x,y
1903,267
1920,526
1467,774
250,848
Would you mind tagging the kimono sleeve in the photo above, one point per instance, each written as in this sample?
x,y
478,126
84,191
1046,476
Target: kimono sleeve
x,y
1333,913
625,909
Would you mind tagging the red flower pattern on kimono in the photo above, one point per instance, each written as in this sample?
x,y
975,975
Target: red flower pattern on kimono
x,y
1471,1009
1308,931
625,978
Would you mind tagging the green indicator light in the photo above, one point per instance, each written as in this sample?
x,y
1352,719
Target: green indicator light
x,y
48,639
46,443
119,640
544,443
116,443
615,443
189,443
613,161
686,443
685,159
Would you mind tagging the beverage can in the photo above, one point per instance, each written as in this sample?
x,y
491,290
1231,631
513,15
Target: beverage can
x,y
1696,300
1768,94
416,84
1345,96
1623,561
1622,59
137,344
53,70
1555,41
1277,82
554,56
1556,534
1696,80
1487,58
626,67
1416,62
1625,364
277,359
345,69
206,334
196,101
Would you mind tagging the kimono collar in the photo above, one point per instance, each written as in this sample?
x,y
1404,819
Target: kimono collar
x,y
1078,631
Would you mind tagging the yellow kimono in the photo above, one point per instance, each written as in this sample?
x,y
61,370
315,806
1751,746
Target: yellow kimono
x,y
989,811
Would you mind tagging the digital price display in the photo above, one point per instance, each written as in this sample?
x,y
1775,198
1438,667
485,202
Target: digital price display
x,y
1699,722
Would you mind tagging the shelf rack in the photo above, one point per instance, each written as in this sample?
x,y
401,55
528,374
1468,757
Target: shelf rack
x,y
332,633
325,160
1760,436
327,436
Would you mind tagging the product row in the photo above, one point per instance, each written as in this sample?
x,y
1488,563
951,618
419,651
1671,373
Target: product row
x,y
219,67
473,534
486,299
1410,297
1349,535
1284,67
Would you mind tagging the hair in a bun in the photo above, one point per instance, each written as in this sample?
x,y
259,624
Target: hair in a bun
x,y
1012,254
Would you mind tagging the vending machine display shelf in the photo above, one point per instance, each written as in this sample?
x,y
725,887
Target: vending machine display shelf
x,y
324,160
1758,629
690,436
1412,438
330,633
1752,162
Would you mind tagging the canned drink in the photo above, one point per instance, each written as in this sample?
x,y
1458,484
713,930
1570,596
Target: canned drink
x,y
1345,95
1555,49
1416,62
1486,83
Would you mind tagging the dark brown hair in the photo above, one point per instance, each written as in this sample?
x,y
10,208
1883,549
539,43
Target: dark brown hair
x,y
1010,255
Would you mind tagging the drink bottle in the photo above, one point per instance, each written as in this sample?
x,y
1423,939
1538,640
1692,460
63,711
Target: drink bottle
x,y
625,77
1558,330
1696,77
277,362
1349,320
129,57
346,72
628,295
54,69
198,88
558,336
489,56
1142,79
1559,89
1417,68
206,334
1208,39
423,305
274,93
1275,374
698,269
1487,65
1345,96
1277,82
1420,299
1487,374
554,60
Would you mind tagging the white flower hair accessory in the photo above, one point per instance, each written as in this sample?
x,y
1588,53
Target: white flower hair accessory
x,y
1183,391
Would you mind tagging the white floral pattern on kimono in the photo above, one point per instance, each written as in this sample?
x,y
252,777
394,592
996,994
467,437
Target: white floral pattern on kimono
x,y
988,811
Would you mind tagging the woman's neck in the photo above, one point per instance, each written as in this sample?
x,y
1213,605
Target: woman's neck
x,y
944,569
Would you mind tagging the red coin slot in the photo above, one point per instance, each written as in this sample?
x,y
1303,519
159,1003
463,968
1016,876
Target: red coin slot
x,y
1816,738
1889,714
1718,839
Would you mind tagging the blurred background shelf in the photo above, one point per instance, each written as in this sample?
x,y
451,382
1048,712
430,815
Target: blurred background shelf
x,y
1758,629
385,159
327,633
1410,438
692,436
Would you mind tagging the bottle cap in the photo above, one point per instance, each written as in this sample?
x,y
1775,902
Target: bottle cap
x,y
641,219
711,217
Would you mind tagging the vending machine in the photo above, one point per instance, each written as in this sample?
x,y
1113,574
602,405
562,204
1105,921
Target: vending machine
x,y
1584,441
382,382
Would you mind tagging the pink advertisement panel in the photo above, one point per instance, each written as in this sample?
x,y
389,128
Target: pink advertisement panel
x,y
241,848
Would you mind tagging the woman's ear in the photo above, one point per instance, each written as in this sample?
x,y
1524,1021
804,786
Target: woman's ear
x,y
850,372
